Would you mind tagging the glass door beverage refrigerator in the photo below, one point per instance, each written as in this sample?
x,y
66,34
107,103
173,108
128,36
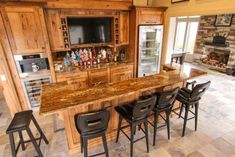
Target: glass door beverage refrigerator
x,y
149,50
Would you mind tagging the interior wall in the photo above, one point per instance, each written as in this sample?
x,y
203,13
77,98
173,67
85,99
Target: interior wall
x,y
192,7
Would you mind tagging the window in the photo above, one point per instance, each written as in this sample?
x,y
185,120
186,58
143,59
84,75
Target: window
x,y
185,34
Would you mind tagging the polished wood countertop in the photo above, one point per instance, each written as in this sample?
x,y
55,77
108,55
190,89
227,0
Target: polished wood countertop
x,y
58,97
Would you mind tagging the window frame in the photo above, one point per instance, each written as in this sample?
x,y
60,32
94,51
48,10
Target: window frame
x,y
186,19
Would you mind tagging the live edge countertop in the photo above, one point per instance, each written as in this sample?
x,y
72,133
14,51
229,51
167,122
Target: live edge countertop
x,y
58,97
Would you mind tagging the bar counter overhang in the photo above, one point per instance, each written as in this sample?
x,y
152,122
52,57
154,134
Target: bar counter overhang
x,y
61,98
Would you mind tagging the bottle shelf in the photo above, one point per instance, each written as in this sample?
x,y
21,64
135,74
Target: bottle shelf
x,y
64,27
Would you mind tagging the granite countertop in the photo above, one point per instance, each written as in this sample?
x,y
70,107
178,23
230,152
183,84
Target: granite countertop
x,y
58,96
93,67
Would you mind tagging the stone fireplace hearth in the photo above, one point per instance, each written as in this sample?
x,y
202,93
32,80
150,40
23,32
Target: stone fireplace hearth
x,y
215,60
215,46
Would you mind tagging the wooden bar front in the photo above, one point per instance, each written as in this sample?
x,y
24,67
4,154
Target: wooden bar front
x,y
59,97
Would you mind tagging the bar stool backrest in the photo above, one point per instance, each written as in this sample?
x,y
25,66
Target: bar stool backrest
x,y
199,90
166,99
143,107
93,121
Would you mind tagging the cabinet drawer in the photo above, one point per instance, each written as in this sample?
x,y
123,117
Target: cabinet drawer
x,y
150,17
122,73
121,69
66,77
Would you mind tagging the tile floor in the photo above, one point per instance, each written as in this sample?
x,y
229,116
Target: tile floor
x,y
215,136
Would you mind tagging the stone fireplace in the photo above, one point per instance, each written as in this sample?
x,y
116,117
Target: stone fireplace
x,y
215,46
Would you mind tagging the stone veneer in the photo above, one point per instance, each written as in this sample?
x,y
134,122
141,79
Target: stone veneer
x,y
206,31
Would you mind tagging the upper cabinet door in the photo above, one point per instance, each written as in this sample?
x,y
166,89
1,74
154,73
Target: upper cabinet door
x,y
150,16
54,30
24,29
124,28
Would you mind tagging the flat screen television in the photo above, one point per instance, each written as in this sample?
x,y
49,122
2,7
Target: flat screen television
x,y
88,30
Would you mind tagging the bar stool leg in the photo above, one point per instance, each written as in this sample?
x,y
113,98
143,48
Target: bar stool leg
x,y
196,115
81,142
146,135
85,140
168,123
12,142
132,138
119,127
105,145
21,140
155,127
40,130
181,109
34,142
185,119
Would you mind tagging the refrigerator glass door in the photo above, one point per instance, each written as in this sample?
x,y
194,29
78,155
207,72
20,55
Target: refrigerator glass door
x,y
150,47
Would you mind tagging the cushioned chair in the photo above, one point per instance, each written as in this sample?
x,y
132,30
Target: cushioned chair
x,y
190,98
92,125
135,113
164,104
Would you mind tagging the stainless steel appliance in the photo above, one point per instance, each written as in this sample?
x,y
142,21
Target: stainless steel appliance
x,y
32,88
150,49
31,79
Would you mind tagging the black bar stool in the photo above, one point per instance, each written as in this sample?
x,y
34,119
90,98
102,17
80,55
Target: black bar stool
x,y
19,123
190,98
135,114
92,125
165,101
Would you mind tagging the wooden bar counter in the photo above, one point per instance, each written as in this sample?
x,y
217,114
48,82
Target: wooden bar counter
x,y
60,97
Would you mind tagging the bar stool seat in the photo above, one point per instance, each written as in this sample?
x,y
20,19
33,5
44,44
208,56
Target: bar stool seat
x,y
92,125
20,123
190,98
125,110
135,113
164,103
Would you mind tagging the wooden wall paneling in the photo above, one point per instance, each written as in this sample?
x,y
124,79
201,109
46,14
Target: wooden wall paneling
x,y
90,4
133,56
9,89
46,41
54,29
124,27
24,29
12,66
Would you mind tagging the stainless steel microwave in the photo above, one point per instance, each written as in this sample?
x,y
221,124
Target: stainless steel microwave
x,y
24,62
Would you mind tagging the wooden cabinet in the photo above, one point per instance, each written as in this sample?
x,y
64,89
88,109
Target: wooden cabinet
x,y
98,76
24,28
142,16
54,29
150,16
75,80
124,28
121,73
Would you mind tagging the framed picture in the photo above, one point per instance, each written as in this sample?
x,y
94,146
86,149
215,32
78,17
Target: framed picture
x,y
223,20
176,1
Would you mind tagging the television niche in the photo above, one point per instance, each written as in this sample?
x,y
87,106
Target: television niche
x,y
89,30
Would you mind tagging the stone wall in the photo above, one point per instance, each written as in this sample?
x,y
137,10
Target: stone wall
x,y
206,31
